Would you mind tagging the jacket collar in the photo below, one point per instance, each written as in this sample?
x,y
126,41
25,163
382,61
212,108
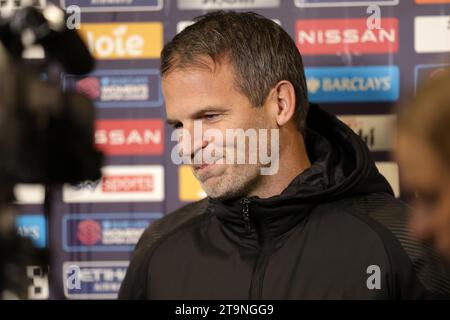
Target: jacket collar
x,y
255,222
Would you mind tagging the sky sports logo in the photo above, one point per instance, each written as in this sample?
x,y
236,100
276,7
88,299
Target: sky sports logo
x,y
343,3
346,36
120,184
114,5
130,88
353,84
93,279
117,232
130,137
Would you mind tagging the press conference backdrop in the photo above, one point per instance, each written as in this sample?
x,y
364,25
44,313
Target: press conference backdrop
x,y
353,71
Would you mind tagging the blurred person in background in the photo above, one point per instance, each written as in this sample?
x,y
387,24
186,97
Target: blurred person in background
x,y
423,153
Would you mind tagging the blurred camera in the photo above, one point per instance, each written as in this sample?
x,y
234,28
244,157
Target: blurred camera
x,y
47,134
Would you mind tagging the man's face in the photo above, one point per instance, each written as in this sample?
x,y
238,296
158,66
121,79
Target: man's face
x,y
426,174
210,97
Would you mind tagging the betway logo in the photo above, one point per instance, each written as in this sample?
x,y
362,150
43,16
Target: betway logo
x,y
343,36
130,137
93,279
123,40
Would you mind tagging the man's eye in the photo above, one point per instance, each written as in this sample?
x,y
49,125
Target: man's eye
x,y
178,125
210,116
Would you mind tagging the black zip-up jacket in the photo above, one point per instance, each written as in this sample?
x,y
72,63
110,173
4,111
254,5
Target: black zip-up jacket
x,y
336,232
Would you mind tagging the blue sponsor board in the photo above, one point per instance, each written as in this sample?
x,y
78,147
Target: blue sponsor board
x,y
102,232
93,279
34,227
353,84
119,88
114,5
424,72
342,3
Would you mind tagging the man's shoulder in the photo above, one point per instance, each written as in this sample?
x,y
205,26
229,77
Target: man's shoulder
x,y
384,217
375,211
360,221
388,218
381,209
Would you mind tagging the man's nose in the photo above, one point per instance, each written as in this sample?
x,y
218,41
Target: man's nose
x,y
192,143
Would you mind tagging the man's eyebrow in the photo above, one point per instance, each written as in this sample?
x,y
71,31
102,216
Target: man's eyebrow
x,y
199,113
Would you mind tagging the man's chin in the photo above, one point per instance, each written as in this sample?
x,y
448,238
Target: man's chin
x,y
210,190
207,181
224,195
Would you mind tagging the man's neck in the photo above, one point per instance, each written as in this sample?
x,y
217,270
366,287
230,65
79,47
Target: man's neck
x,y
293,161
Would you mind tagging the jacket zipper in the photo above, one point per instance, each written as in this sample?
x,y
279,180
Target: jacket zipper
x,y
257,280
246,215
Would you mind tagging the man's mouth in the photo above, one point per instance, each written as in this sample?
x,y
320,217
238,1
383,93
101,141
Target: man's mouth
x,y
203,166
204,171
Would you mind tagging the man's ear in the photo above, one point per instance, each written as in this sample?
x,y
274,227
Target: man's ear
x,y
282,106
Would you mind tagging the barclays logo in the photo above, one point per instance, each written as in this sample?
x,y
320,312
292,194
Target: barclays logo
x,y
353,84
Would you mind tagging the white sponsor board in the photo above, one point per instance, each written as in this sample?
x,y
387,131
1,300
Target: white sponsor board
x,y
29,193
389,170
432,34
378,131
